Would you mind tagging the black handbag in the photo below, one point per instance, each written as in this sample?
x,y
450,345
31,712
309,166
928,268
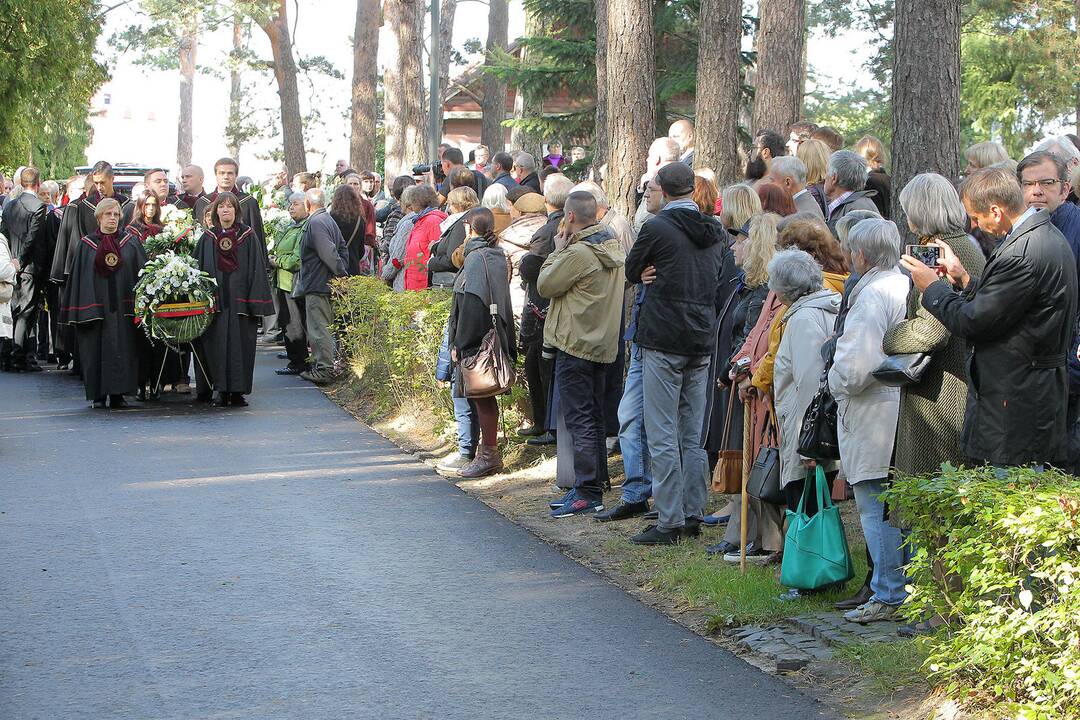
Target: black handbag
x,y
818,435
902,370
764,481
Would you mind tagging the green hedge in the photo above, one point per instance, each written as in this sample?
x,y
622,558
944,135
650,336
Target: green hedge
x,y
997,553
392,341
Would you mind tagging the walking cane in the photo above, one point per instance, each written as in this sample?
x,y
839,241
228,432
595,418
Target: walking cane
x,y
747,422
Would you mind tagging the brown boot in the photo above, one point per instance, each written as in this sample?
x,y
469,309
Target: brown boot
x,y
488,462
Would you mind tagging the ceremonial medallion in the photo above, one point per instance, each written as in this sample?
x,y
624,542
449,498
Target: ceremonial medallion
x,y
112,259
226,244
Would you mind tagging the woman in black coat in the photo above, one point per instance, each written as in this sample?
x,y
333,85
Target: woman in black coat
x,y
348,212
483,282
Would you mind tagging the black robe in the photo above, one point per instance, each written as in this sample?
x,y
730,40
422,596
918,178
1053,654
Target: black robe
x,y
227,349
188,202
78,222
102,309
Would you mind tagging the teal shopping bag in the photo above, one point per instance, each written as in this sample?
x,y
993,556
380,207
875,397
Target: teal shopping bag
x,y
815,547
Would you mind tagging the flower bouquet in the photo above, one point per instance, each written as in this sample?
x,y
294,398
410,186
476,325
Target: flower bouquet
x,y
177,233
174,299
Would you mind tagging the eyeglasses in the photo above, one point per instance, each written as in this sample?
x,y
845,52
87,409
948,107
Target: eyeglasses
x,y
1045,184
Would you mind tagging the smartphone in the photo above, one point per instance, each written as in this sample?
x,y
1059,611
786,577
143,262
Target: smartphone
x,y
926,254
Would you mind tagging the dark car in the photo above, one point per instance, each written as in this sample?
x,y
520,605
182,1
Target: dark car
x,y
126,176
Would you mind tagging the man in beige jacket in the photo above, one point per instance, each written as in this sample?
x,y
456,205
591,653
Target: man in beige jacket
x,y
584,280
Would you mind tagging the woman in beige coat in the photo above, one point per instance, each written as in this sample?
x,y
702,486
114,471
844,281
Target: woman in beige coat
x,y
9,270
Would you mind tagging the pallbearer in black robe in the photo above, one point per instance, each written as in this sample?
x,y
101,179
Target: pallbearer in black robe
x,y
78,222
227,349
157,364
225,173
99,300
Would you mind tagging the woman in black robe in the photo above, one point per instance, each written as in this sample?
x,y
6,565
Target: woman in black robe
x,y
230,251
145,224
99,301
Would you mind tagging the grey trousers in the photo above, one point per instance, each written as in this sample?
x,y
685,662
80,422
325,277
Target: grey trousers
x,y
674,410
320,336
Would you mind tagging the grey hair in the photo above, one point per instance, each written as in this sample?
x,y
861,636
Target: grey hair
x,y
52,188
879,242
933,206
844,225
316,197
789,166
794,273
595,190
556,189
295,197
525,161
849,168
666,149
1062,147
495,198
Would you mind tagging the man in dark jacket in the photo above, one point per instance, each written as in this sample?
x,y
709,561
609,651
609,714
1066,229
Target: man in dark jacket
x,y
524,172
1044,178
676,331
1019,318
502,164
24,226
845,181
322,257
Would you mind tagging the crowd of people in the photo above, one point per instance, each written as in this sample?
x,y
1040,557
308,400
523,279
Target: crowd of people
x,y
704,327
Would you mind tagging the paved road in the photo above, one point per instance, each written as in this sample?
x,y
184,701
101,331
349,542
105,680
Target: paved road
x,y
286,562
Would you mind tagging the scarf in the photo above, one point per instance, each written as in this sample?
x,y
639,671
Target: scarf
x,y
108,259
225,242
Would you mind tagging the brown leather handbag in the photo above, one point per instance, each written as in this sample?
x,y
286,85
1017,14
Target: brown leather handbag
x,y
727,475
490,371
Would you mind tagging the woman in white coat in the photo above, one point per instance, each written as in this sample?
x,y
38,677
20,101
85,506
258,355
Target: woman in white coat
x,y
9,270
868,410
797,280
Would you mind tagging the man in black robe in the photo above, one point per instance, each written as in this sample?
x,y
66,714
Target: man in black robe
x,y
156,180
225,172
191,188
99,300
235,257
24,225
79,221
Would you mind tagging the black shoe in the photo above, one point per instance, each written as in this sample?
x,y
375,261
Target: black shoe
x,y
222,400
238,400
31,367
153,395
205,397
622,511
722,548
99,405
533,431
61,367
290,370
692,528
653,535
283,356
652,515
547,438
117,401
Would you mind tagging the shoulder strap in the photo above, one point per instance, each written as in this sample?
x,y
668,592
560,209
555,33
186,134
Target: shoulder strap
x,y
352,235
487,280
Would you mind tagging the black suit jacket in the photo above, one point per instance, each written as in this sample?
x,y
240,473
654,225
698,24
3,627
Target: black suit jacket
x,y
24,226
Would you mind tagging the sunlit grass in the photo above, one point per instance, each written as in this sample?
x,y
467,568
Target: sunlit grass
x,y
889,666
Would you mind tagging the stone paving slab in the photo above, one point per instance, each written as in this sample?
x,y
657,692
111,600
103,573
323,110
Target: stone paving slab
x,y
832,628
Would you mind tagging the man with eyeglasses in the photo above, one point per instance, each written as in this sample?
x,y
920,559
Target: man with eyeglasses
x,y
1044,177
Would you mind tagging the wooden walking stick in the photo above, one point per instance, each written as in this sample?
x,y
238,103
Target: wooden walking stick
x,y
747,423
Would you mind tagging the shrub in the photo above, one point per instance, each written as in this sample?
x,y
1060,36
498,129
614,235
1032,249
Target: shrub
x,y
392,341
997,554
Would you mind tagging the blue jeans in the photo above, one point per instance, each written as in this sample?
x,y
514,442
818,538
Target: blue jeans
x,y
884,542
468,425
635,448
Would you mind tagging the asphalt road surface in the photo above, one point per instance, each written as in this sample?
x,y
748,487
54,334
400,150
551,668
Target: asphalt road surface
x,y
283,561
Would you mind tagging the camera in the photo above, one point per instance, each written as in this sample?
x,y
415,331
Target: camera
x,y
425,168
422,169
926,254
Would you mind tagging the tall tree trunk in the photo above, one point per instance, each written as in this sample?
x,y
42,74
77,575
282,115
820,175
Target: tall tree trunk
x,y
492,132
235,132
528,104
631,97
600,143
403,88
780,37
365,78
925,93
447,12
718,85
276,27
189,43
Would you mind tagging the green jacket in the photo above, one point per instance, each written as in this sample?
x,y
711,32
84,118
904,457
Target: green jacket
x,y
584,282
287,252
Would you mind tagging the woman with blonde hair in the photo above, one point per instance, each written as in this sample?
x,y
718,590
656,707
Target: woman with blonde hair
x,y
873,150
983,155
815,155
740,203
752,255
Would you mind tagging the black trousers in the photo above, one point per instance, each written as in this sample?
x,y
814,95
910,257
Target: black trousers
x,y
581,398
21,350
538,377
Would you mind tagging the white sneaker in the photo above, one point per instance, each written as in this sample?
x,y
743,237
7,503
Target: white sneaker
x,y
872,611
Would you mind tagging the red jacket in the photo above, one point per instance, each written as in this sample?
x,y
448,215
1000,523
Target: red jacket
x,y
425,231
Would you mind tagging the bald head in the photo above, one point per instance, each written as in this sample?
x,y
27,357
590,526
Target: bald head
x,y
315,198
662,151
682,132
191,180
580,211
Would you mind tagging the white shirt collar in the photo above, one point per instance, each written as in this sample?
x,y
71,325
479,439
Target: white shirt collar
x,y
1022,219
799,194
836,203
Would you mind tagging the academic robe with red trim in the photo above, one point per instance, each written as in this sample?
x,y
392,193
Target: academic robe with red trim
x,y
77,222
250,215
102,309
227,348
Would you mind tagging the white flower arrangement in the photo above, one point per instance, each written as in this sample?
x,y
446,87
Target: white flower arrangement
x,y
177,233
172,279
